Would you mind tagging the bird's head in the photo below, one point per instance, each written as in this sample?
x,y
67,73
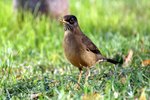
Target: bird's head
x,y
70,22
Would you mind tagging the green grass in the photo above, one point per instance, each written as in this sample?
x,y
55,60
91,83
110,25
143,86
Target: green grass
x,y
32,60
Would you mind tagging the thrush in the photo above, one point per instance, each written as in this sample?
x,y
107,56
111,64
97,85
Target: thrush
x,y
78,48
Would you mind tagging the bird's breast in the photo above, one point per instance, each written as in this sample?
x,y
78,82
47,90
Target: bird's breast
x,y
71,48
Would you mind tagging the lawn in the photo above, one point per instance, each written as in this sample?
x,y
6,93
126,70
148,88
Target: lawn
x,y
32,60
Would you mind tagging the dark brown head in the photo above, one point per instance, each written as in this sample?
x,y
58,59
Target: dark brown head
x,y
70,22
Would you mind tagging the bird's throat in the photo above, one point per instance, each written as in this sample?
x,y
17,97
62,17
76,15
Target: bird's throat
x,y
68,27
72,29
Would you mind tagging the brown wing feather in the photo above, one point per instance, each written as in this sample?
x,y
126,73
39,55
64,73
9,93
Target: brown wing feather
x,y
90,45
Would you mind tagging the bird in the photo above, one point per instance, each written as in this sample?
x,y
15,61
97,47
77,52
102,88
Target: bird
x,y
79,49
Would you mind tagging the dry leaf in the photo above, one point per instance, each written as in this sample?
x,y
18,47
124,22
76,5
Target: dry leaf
x,y
116,95
18,77
128,58
146,62
123,80
94,96
35,96
143,95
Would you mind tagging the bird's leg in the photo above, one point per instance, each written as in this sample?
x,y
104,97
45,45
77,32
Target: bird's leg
x,y
87,76
80,74
77,86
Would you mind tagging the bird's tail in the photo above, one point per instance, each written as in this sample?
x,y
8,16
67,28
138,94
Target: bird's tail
x,y
111,60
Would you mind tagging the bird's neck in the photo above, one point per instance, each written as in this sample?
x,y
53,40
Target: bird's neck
x,y
77,30
68,27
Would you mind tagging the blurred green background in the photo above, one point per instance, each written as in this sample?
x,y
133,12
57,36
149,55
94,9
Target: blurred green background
x,y
32,60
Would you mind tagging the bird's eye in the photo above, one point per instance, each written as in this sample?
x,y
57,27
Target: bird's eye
x,y
71,21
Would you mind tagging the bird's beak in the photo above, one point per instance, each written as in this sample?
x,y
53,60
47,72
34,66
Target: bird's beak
x,y
63,21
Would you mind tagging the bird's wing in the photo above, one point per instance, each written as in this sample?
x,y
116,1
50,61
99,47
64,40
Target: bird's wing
x,y
90,45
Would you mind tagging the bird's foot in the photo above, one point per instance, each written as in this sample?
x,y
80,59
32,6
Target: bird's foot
x,y
86,84
77,86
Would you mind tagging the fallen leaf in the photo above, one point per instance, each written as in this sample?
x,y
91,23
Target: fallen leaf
x,y
94,96
123,80
146,62
35,96
128,58
116,94
143,95
19,77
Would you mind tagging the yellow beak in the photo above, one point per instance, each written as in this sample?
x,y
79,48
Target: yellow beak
x,y
63,21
